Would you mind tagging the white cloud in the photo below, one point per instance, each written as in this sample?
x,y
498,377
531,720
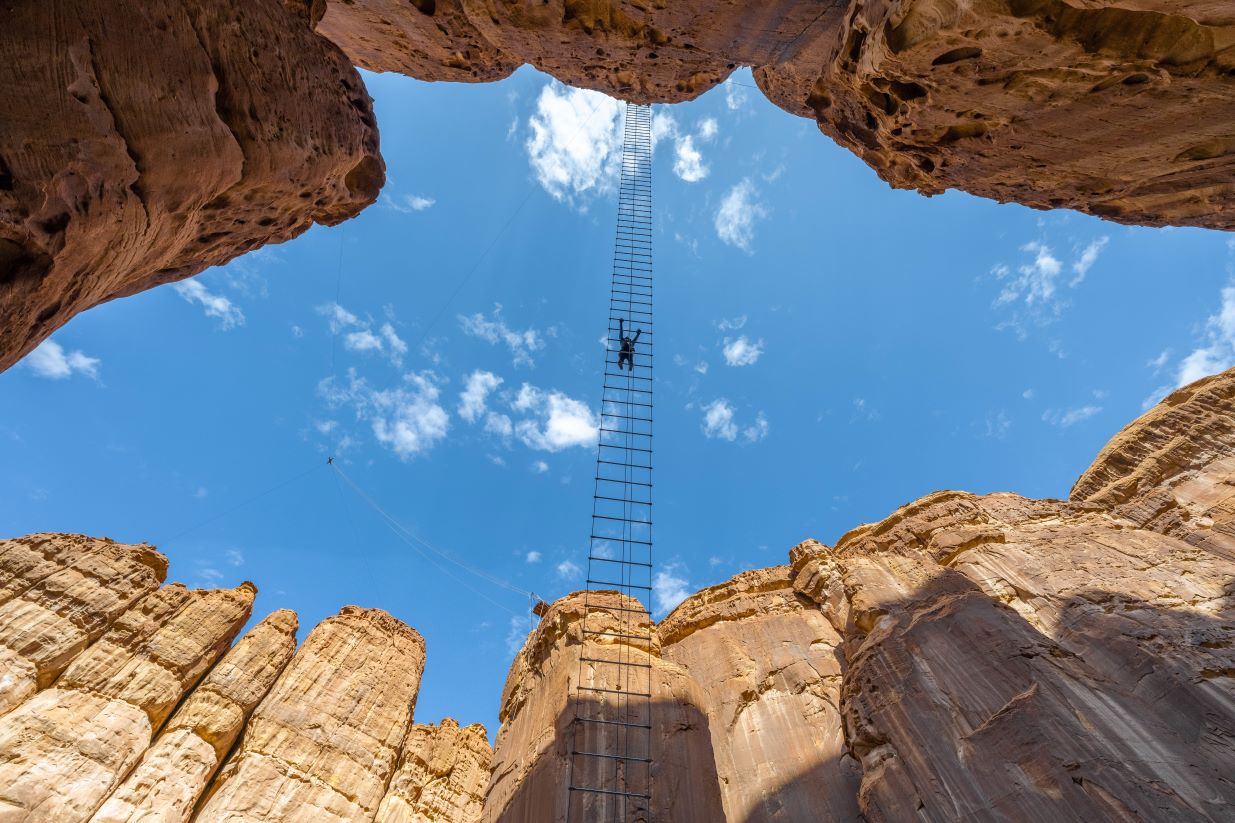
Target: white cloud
x,y
735,95
708,128
734,324
742,351
473,399
233,557
1069,417
297,332
362,337
520,343
1082,265
1035,281
756,431
533,557
1028,394
736,217
540,467
1161,360
575,145
718,421
407,419
520,627
568,570
51,361
499,424
668,589
1218,352
214,305
701,367
557,421
688,161
407,203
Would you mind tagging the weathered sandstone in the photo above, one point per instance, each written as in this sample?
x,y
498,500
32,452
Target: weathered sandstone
x,y
64,750
324,744
770,666
175,771
142,142
443,772
531,759
61,592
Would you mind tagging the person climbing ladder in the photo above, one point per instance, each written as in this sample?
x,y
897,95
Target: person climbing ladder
x,y
627,353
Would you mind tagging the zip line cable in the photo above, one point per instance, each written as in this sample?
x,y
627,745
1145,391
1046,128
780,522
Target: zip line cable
x,y
419,543
242,504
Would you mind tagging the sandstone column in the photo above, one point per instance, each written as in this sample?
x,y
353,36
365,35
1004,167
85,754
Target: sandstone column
x,y
531,760
60,594
442,776
64,750
770,665
174,772
323,745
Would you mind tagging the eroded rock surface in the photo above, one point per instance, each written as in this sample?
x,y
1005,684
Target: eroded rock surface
x,y
443,772
324,744
142,142
175,771
770,666
63,751
531,758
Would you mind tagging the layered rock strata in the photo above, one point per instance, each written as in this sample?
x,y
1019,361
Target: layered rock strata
x,y
65,749
771,667
175,771
142,142
324,744
61,592
261,127
443,772
531,759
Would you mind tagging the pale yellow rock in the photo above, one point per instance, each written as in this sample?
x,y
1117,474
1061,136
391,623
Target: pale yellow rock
x,y
442,776
175,771
531,760
770,665
63,751
323,745
63,592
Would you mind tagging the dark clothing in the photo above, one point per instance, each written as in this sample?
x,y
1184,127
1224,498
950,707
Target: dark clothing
x,y
626,355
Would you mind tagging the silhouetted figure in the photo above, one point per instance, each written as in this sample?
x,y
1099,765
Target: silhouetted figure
x,y
627,353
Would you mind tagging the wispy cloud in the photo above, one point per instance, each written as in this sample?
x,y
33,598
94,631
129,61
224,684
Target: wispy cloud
x,y
568,570
214,305
495,330
739,211
1082,264
720,423
731,324
735,95
474,398
1032,290
553,420
1070,417
742,351
53,362
359,334
408,419
669,589
574,143
407,203
532,557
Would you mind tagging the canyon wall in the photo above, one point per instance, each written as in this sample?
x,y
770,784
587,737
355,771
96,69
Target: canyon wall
x,y
143,142
966,658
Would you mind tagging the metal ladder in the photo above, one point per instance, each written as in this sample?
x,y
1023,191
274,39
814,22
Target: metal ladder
x,y
611,746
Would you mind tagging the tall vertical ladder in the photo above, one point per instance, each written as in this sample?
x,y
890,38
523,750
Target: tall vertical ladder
x,y
611,746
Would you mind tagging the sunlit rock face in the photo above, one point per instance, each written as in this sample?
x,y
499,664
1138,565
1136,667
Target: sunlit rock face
x,y
141,142
966,658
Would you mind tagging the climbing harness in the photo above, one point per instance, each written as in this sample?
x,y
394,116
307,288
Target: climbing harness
x,y
611,738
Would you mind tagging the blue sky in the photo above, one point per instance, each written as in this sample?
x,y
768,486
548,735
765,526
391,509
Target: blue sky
x,y
829,350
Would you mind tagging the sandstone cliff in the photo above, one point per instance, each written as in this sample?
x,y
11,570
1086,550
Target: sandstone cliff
x,y
159,138
966,658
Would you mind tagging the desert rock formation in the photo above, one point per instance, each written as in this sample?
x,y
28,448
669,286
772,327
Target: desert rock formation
x,y
966,658
261,127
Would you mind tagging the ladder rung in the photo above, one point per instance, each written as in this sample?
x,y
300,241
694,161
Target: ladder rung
x,y
610,791
591,582
622,520
622,499
629,482
613,539
613,691
613,757
617,662
621,562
